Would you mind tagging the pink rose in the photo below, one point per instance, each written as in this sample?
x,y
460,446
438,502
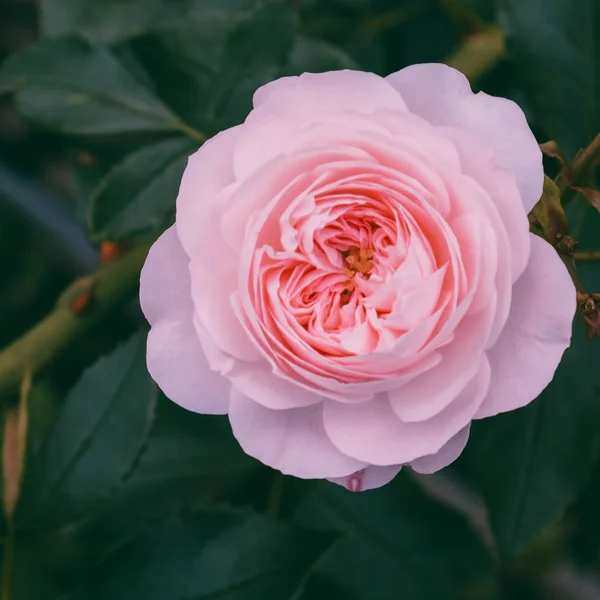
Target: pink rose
x,y
351,276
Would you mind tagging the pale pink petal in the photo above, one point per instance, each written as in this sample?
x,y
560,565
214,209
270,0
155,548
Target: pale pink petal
x,y
446,456
478,162
429,394
312,94
165,280
537,332
443,96
209,171
212,290
175,357
213,265
372,431
266,194
178,365
261,383
293,441
367,479
286,106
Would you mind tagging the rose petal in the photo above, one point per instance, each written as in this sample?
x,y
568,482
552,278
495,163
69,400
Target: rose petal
x,y
262,384
178,365
537,332
429,394
293,441
209,171
372,432
165,280
368,479
312,94
443,96
446,456
175,357
286,105
479,162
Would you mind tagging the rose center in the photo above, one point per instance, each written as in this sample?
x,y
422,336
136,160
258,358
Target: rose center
x,y
356,260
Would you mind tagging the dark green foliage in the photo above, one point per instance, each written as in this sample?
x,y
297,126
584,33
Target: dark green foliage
x,y
530,463
126,495
72,87
397,538
556,49
136,196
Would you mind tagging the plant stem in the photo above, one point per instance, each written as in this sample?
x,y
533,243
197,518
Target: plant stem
x,y
110,285
569,262
582,162
479,53
192,133
587,256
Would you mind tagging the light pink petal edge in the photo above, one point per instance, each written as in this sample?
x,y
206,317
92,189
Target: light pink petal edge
x,y
174,356
443,96
537,333
292,441
427,465
368,479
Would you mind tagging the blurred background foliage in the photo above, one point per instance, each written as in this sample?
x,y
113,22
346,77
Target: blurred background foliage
x,y
111,491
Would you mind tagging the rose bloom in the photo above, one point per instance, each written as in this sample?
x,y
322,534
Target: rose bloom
x,y
351,276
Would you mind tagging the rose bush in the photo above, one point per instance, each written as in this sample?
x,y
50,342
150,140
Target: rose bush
x,y
351,276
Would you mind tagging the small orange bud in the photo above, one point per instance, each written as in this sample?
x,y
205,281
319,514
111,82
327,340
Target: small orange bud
x,y
110,251
82,302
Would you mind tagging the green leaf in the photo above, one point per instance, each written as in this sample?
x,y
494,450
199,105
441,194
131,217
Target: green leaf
x,y
186,460
186,446
401,544
69,86
584,521
195,31
221,554
556,48
138,195
529,464
177,13
95,440
317,56
104,22
185,53
255,51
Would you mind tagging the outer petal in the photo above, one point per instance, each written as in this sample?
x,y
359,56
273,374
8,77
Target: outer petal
x,y
175,357
165,281
430,393
368,479
312,94
209,171
537,332
479,162
372,432
285,106
293,441
263,384
443,96
212,262
446,456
